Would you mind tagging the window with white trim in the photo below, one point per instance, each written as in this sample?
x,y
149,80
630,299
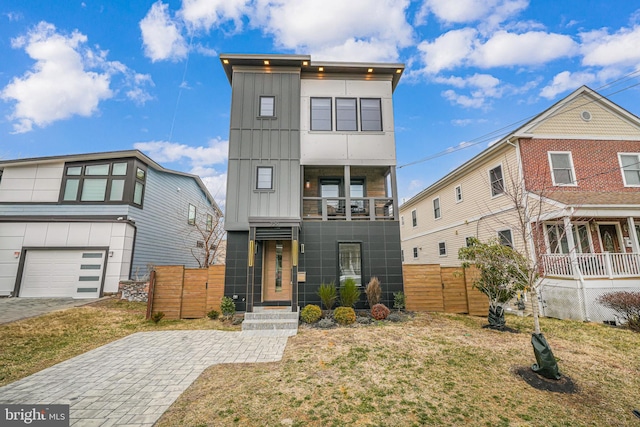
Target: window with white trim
x,y
401,255
505,238
267,106
557,242
414,218
561,165
402,220
458,193
630,164
264,178
442,249
436,208
415,252
496,180
191,219
469,241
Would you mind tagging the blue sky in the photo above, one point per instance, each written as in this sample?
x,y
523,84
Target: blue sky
x,y
88,76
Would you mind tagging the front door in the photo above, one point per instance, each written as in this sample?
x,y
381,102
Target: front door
x,y
276,280
609,238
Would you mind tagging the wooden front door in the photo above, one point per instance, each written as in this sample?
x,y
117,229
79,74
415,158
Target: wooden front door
x,y
609,238
276,277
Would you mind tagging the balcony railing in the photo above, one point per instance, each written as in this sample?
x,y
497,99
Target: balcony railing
x,y
360,209
605,265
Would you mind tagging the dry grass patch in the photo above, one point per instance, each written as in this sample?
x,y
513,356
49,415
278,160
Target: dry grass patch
x,y
31,345
432,370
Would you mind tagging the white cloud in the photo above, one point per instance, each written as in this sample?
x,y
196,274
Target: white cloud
x,y
67,79
59,85
13,16
603,49
163,151
532,48
464,11
464,100
161,35
447,51
334,29
467,122
483,86
566,81
206,14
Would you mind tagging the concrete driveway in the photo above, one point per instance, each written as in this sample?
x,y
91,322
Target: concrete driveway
x,y
12,309
132,381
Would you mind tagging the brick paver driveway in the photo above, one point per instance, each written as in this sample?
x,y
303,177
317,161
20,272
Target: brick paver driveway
x,y
12,309
134,380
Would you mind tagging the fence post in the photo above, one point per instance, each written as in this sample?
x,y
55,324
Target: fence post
x,y
152,283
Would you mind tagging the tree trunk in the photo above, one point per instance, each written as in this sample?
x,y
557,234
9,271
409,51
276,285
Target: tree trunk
x,y
535,311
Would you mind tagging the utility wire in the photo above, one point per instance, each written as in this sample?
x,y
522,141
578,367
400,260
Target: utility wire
x,y
501,132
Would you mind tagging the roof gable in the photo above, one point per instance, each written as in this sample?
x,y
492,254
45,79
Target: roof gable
x,y
582,114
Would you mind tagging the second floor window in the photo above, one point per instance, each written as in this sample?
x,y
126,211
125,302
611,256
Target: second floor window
x,y
505,238
415,252
414,218
458,193
497,183
442,249
264,178
630,169
117,181
191,218
561,169
436,208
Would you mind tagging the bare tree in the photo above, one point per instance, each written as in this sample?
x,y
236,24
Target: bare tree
x,y
205,227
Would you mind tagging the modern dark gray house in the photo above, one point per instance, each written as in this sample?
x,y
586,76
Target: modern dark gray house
x,y
311,190
76,225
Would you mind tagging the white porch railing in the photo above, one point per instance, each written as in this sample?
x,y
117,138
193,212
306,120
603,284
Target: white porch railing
x,y
605,265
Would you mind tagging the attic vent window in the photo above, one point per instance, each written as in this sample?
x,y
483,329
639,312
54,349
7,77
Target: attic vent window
x,y
585,115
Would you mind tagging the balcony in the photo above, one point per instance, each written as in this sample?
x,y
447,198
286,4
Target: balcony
x,y
335,208
593,266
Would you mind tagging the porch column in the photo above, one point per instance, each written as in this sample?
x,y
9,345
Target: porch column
x,y
394,191
568,230
347,191
632,234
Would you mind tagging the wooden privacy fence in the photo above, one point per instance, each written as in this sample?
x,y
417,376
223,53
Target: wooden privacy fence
x,y
430,287
185,293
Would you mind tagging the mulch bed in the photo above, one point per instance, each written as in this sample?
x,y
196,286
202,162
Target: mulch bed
x,y
563,385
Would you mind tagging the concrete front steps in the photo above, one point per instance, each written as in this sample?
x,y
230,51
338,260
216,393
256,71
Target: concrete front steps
x,y
271,321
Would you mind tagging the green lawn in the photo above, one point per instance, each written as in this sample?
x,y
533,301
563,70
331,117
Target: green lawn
x,y
433,370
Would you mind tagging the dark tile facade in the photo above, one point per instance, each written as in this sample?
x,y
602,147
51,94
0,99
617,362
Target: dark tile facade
x,y
380,256
235,280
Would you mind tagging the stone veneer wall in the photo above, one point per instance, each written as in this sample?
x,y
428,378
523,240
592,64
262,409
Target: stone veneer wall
x,y
133,291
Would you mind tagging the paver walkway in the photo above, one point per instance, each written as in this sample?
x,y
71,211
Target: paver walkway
x,y
133,381
12,309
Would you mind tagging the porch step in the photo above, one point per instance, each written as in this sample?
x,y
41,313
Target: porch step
x,y
281,319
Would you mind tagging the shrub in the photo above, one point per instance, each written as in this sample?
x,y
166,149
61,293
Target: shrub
x,y
326,323
311,313
380,311
227,307
344,315
213,314
328,295
627,304
394,317
398,300
157,316
349,294
373,291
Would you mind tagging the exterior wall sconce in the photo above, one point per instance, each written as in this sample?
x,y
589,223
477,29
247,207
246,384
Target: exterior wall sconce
x,y
307,184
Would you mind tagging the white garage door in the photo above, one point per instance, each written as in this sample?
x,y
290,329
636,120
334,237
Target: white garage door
x,y
62,273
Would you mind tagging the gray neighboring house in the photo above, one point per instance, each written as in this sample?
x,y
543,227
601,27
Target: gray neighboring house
x,y
76,225
311,188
